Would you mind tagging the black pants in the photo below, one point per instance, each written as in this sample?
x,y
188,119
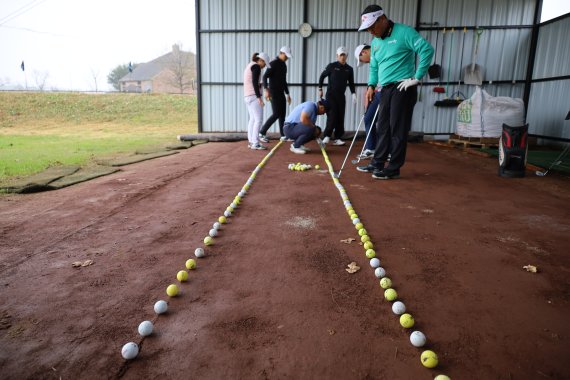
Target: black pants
x,y
335,116
392,127
279,107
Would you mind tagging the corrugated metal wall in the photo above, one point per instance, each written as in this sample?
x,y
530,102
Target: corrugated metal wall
x,y
231,30
549,100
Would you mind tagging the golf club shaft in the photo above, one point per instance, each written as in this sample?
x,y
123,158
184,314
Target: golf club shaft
x,y
368,134
351,144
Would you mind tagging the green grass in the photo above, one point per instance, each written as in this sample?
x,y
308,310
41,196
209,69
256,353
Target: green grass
x,y
40,130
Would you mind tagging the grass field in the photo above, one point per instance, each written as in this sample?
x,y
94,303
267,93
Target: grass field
x,y
39,130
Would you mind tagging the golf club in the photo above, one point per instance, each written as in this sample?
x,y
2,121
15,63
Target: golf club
x,y
558,161
366,139
350,148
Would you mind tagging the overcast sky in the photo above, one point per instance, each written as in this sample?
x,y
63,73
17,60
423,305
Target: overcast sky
x,y
74,40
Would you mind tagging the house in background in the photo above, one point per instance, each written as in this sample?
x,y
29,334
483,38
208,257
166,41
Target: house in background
x,y
172,73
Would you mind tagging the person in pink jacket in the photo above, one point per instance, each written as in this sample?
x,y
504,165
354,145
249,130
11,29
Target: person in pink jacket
x,y
253,98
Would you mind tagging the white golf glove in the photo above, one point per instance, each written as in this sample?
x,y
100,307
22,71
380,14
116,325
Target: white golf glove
x,y
353,98
407,83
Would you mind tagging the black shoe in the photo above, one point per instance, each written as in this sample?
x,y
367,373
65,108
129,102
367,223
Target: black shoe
x,y
383,174
366,169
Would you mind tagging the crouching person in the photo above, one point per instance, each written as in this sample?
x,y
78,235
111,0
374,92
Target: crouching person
x,y
300,124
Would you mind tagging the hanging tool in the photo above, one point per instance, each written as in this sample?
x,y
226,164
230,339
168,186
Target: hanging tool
x,y
438,88
434,70
472,73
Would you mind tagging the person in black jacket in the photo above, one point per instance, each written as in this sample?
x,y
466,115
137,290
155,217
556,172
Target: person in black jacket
x,y
275,92
340,74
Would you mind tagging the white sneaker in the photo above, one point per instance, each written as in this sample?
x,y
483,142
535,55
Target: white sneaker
x,y
304,148
263,138
326,140
257,147
338,142
366,154
297,150
282,138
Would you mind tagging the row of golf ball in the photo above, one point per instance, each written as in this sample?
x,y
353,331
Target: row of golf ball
x,y
130,350
417,338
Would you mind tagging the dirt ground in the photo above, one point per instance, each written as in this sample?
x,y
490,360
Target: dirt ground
x,y
272,299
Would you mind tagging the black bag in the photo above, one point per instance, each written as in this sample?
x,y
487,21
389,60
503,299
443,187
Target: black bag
x,y
434,70
513,147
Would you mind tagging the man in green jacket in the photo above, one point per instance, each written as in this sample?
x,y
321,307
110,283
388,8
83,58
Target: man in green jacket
x,y
392,65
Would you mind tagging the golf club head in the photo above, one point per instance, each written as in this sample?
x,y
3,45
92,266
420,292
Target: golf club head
x,y
336,175
540,174
354,162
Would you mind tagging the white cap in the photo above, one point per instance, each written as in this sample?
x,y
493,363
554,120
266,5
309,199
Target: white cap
x,y
357,52
368,19
341,50
265,57
287,51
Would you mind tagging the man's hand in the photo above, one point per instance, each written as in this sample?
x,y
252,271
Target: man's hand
x,y
267,95
288,99
353,98
260,100
407,83
320,93
369,94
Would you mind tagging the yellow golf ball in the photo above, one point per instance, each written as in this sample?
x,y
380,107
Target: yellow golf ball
x,y
182,276
385,283
359,226
370,253
364,238
429,359
190,264
368,245
442,377
353,216
172,290
407,321
390,294
222,219
317,167
362,232
208,240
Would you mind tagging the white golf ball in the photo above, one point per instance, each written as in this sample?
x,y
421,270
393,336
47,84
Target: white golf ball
x,y
199,252
130,350
374,262
241,193
398,308
160,307
234,205
355,221
380,272
213,232
145,328
227,213
216,226
418,339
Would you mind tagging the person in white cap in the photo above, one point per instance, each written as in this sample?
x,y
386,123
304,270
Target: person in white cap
x,y
393,66
253,98
362,55
340,74
275,84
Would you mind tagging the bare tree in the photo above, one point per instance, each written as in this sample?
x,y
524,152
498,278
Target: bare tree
x,y
40,78
182,66
94,75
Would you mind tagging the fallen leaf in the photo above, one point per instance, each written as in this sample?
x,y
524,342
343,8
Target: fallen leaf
x,y
531,268
348,241
78,264
332,332
352,268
